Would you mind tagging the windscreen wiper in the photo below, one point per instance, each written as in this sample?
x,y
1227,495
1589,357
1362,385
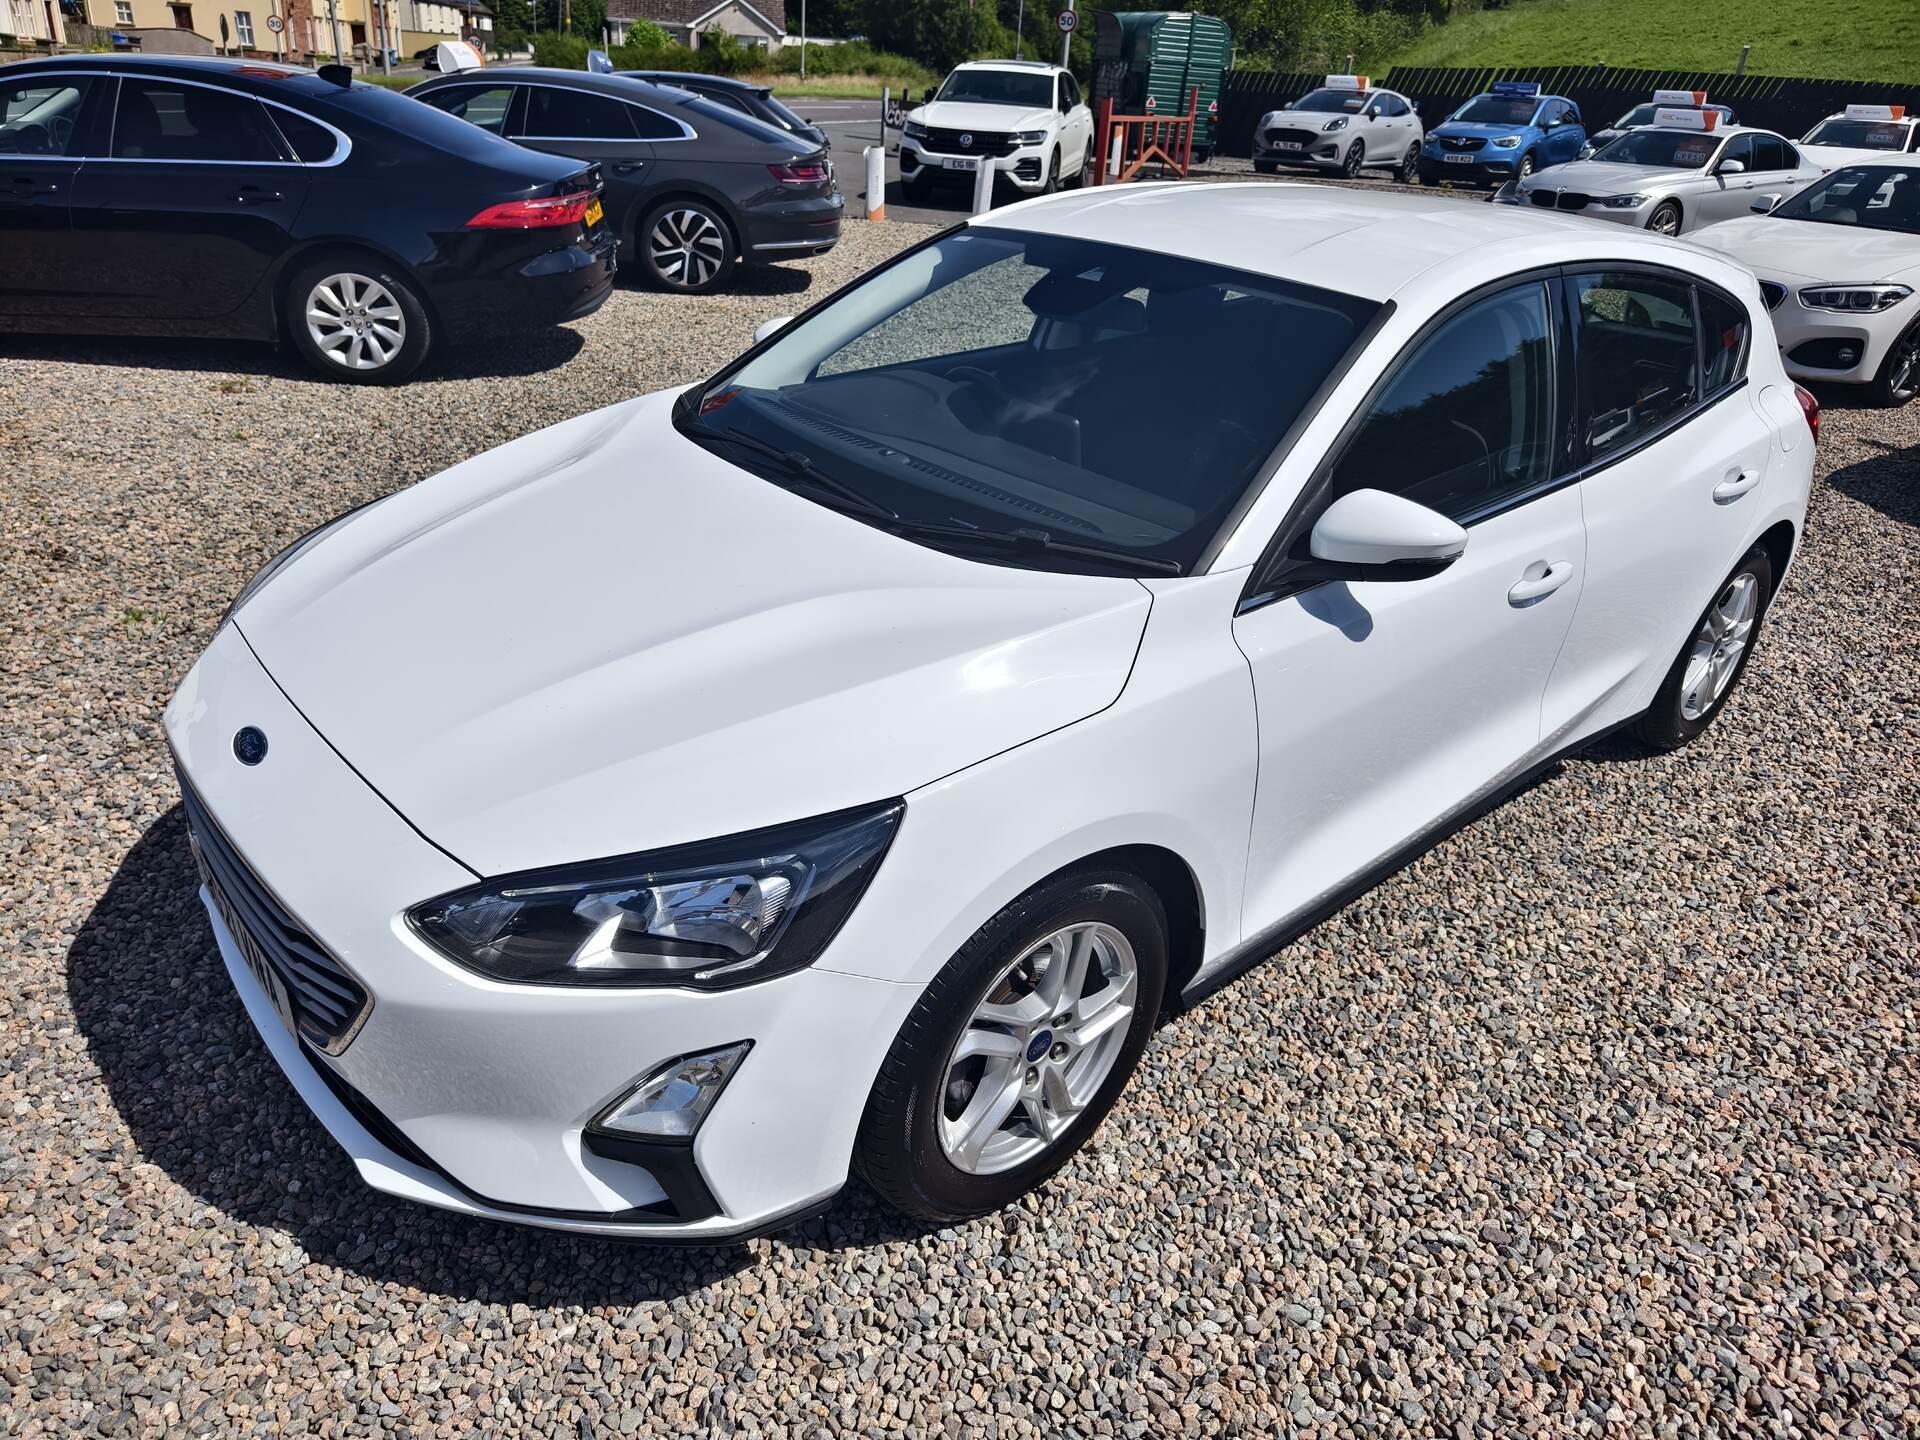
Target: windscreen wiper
x,y
1016,541
798,467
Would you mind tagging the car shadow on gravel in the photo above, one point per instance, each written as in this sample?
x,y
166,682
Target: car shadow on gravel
x,y
495,358
1889,481
204,1100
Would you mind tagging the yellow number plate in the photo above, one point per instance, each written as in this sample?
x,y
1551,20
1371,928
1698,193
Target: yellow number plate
x,y
594,212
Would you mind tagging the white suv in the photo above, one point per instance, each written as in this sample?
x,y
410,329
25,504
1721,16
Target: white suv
x,y
1341,128
1026,114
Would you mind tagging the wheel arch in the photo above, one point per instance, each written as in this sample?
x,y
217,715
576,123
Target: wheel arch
x,y
688,190
307,250
1173,882
1778,541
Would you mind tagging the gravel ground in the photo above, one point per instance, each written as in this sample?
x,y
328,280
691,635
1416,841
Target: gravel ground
x,y
1601,1119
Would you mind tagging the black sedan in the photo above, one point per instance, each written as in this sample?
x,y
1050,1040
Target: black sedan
x,y
692,186
759,101
170,195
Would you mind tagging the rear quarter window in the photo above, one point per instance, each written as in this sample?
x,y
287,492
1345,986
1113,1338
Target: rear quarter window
x,y
422,123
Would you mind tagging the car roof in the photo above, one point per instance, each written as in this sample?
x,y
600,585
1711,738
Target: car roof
x,y
1358,242
677,77
264,77
621,87
1903,120
1006,65
1719,132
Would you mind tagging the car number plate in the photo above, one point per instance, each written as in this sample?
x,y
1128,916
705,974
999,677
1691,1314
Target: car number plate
x,y
594,212
1287,145
957,162
1459,159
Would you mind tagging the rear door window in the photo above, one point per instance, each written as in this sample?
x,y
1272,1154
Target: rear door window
x,y
1724,330
484,105
171,120
554,113
1638,358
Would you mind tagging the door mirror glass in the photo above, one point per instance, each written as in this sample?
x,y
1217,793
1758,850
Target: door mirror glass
x,y
769,327
1733,167
1766,204
1399,538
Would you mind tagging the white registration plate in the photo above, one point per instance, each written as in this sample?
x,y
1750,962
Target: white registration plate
x,y
1458,159
960,162
1288,145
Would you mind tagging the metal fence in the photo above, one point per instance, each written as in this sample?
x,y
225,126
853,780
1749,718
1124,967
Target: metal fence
x,y
1774,102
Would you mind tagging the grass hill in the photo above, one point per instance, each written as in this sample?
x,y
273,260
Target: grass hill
x,y
1828,39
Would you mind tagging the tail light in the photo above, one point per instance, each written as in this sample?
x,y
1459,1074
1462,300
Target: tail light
x,y
1810,408
547,212
800,172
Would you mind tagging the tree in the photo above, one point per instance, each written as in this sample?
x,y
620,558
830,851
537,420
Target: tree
x,y
589,19
512,23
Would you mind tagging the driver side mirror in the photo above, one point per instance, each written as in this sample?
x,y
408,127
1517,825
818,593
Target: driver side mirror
x,y
1766,204
769,327
1385,537
1732,167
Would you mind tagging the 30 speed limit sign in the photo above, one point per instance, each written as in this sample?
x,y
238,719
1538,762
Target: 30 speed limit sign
x,y
1068,21
273,23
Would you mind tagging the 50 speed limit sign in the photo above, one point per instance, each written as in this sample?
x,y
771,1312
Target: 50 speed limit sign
x,y
1068,21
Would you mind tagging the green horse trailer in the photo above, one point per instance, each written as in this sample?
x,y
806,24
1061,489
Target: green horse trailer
x,y
1146,61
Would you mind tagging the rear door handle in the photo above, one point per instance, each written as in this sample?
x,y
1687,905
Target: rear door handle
x,y
254,195
23,186
1540,581
627,167
1737,483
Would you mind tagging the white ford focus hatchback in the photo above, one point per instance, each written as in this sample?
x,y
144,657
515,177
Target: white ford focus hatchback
x,y
846,761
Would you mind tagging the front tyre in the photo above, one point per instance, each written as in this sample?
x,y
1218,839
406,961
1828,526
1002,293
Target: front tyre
x,y
1710,664
1899,376
1052,182
1526,166
1665,219
685,245
1017,1049
355,318
1350,163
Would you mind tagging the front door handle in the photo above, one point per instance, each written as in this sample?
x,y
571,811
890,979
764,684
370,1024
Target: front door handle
x,y
24,186
627,167
254,195
1540,581
1737,483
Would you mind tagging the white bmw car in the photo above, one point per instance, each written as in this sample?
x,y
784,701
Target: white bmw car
x,y
1840,266
846,761
1672,179
1861,134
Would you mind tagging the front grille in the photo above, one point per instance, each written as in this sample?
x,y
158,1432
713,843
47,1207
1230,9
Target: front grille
x,y
1282,136
329,1004
1773,294
1559,199
975,142
1461,142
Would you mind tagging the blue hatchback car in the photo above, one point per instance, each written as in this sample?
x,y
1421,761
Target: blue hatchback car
x,y
1507,133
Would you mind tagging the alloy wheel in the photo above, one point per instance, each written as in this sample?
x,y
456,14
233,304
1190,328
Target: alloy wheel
x,y
355,321
686,247
1038,1047
1903,368
1665,220
1526,165
1718,646
1350,166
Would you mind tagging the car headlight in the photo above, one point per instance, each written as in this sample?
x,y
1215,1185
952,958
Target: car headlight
x,y
1625,202
1854,299
1507,142
708,916
1339,122
267,571
914,130
1030,137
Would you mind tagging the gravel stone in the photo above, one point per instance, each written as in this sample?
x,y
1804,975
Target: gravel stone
x,y
1599,1119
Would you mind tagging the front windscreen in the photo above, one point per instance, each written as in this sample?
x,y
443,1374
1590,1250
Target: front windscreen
x,y
1092,406
1497,110
1859,134
1662,149
1336,102
1029,89
1879,197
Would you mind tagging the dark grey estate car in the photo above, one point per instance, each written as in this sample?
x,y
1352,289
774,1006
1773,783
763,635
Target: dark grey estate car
x,y
691,186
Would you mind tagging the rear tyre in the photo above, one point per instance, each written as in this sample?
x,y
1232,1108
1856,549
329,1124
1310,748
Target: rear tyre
x,y
1350,162
1899,377
1409,170
686,245
1665,219
1712,661
355,318
1017,1049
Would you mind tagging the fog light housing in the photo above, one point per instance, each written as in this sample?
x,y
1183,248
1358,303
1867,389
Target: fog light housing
x,y
672,1099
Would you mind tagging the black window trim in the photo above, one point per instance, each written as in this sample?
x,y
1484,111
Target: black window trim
x,y
687,132
516,103
1275,576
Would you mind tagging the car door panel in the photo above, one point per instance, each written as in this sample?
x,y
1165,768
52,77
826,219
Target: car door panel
x,y
40,124
1665,522
1386,707
191,207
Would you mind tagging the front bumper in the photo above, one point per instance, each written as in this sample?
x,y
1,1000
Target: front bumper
x,y
1634,215
1839,349
474,1095
1024,168
1486,166
1321,154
